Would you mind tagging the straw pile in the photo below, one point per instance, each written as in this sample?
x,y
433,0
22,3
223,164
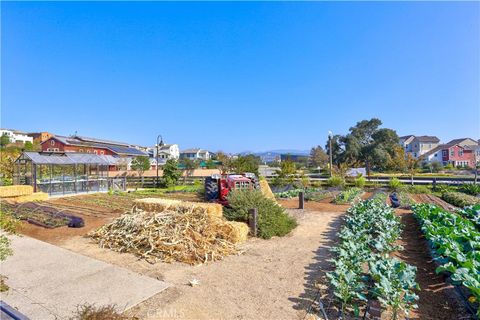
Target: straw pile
x,y
159,205
15,191
265,188
177,232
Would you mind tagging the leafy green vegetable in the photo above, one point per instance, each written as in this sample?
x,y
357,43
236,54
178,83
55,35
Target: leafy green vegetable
x,y
456,244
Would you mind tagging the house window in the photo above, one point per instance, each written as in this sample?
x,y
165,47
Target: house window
x,y
102,152
452,152
460,153
95,151
436,155
80,150
52,142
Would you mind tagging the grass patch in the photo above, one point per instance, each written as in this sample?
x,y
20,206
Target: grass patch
x,y
91,312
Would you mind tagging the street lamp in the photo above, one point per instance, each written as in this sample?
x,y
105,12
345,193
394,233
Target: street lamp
x,y
330,136
159,144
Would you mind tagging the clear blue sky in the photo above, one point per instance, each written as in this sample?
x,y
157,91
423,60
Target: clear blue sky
x,y
240,76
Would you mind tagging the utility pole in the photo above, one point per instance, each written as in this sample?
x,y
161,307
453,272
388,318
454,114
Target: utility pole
x,y
330,135
159,144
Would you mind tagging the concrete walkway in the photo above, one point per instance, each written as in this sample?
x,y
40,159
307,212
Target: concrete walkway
x,y
48,282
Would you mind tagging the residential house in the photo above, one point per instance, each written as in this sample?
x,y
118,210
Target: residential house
x,y
463,142
195,154
90,145
16,136
406,143
39,137
167,151
416,146
458,152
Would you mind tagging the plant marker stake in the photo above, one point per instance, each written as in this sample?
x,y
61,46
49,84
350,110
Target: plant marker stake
x,y
252,221
301,200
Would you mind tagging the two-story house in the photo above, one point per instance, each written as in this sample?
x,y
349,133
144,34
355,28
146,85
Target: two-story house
x,y
16,136
195,154
417,146
463,152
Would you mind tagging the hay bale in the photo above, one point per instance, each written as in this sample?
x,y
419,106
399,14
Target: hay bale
x,y
265,188
236,232
159,205
15,191
37,196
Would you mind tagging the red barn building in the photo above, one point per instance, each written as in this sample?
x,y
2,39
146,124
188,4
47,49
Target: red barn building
x,y
90,145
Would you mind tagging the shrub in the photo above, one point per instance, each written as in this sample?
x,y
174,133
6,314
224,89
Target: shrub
x,y
459,199
335,181
471,189
394,184
272,218
360,182
418,189
91,312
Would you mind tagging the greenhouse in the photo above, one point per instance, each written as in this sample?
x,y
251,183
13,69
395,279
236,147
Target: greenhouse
x,y
65,173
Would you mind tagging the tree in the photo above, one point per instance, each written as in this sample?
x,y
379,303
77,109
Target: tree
x,y
412,166
7,165
171,173
225,162
4,140
318,157
28,146
368,144
397,161
337,149
140,164
189,167
286,172
248,163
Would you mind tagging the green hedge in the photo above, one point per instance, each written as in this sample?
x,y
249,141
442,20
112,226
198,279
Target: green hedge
x,y
272,218
459,199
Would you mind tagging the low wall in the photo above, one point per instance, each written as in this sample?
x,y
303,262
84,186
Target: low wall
x,y
153,173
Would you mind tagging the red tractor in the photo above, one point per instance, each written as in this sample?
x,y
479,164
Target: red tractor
x,y
218,186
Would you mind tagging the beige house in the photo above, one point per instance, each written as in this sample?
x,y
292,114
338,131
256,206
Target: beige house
x,y
417,146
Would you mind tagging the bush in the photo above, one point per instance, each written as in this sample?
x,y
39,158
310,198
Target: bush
x,y
360,182
91,312
394,184
272,218
471,189
418,189
335,181
459,199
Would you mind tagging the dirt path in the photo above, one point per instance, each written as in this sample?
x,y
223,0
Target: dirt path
x,y
430,198
437,299
273,279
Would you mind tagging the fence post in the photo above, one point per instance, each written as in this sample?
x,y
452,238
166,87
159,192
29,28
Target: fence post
x,y
434,184
301,200
252,221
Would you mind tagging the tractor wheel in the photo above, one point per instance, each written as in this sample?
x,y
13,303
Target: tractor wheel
x,y
211,189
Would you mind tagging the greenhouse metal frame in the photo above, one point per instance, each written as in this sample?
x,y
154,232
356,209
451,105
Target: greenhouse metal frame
x,y
65,173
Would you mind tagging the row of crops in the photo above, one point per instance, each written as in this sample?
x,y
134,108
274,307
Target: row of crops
x,y
364,271
455,242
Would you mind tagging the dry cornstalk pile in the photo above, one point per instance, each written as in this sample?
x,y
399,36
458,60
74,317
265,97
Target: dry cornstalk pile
x,y
191,236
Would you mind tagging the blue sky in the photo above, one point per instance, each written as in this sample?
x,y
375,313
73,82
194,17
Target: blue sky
x,y
240,76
